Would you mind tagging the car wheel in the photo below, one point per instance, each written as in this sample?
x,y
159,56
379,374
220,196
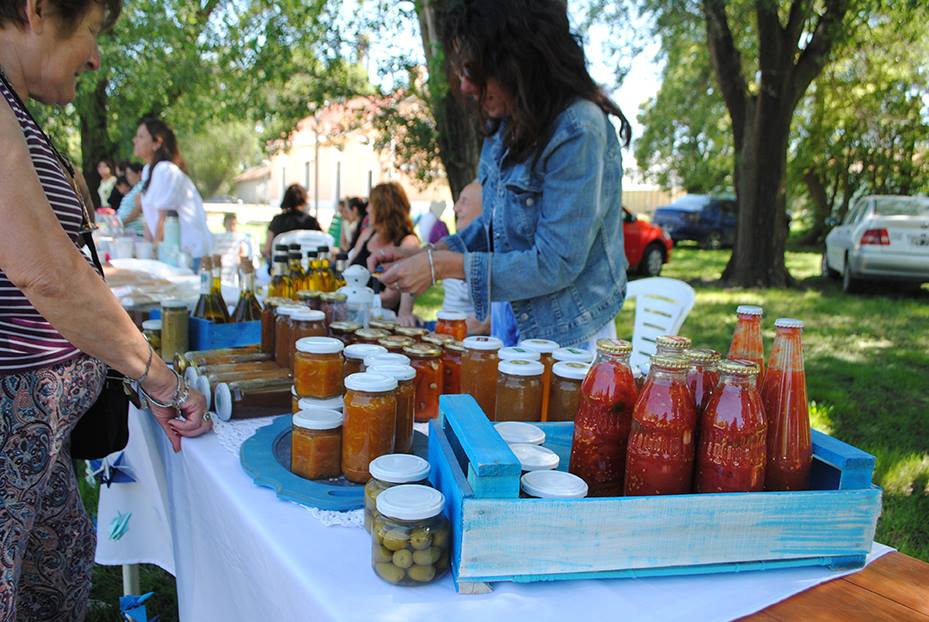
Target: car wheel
x,y
850,283
714,240
826,270
652,261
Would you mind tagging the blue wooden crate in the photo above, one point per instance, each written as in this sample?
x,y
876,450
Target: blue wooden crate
x,y
204,335
501,537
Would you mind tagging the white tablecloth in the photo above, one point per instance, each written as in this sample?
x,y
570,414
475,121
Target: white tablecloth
x,y
239,553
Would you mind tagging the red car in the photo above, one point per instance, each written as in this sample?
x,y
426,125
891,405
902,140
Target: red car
x,y
647,246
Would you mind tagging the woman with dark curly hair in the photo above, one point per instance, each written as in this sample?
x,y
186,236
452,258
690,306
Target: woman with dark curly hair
x,y
60,326
547,250
293,216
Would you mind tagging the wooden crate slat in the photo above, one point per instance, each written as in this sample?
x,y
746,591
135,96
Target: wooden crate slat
x,y
856,466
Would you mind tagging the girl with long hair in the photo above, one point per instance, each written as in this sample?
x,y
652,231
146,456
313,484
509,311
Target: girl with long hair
x,y
293,216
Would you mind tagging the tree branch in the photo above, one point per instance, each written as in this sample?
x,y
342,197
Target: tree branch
x,y
727,64
795,22
814,57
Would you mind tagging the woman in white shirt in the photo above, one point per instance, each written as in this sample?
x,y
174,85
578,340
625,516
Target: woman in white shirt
x,y
167,188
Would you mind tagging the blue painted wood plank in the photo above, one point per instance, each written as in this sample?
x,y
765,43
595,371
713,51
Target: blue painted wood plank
x,y
446,476
856,467
549,536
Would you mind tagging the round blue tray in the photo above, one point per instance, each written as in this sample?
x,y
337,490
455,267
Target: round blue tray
x,y
265,456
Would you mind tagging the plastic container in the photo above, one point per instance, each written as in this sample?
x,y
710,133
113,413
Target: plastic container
x,y
519,390
369,429
479,371
519,432
316,444
567,377
318,367
389,471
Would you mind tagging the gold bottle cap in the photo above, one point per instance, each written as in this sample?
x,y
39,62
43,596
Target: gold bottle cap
x,y
670,362
437,339
383,325
345,327
454,346
702,355
308,294
738,367
422,350
415,333
614,346
371,334
673,342
396,341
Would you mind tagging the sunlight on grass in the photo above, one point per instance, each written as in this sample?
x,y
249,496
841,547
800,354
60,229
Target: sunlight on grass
x,y
907,476
821,416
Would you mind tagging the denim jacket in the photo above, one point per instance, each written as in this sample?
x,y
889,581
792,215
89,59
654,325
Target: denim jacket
x,y
557,252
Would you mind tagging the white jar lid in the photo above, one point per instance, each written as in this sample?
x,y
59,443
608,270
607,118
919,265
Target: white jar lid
x,y
289,309
222,401
571,370
749,310
519,432
173,303
400,372
788,322
410,502
362,350
482,343
542,346
515,352
578,355
520,367
386,358
399,469
535,457
317,419
151,325
553,485
308,315
370,383
333,403
451,316
319,345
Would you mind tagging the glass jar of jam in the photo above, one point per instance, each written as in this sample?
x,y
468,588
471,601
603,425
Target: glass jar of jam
x,y
151,329
395,343
783,393
268,312
660,452
552,485
386,325
406,402
731,453
344,331
451,367
671,344
316,444
310,298
370,335
514,353
567,377
573,355
386,358
355,355
604,416
334,305
415,334
519,390
389,471
306,323
546,349
427,361
703,375
747,343
479,371
411,539
452,323
369,428
318,367
282,340
306,403
535,457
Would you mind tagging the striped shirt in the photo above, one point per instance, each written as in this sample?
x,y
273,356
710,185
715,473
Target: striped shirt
x,y
27,340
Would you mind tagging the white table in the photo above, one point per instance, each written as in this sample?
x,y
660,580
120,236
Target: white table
x,y
239,553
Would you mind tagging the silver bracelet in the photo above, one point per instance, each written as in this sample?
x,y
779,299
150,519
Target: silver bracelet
x,y
148,366
181,394
431,264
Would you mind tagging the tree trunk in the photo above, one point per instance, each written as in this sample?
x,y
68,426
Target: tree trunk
x,y
95,141
822,207
456,119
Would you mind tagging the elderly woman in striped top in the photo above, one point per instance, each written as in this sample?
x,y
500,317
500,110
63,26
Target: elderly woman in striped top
x,y
59,323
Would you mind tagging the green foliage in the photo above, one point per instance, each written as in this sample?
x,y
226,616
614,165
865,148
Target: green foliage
x,y
217,153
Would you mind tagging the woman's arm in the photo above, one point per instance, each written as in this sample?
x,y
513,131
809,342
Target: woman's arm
x,y
160,231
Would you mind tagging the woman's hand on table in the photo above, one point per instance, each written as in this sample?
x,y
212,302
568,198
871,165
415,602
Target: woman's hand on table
x,y
389,255
193,424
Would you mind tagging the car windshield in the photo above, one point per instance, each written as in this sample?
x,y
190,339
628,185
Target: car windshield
x,y
690,202
901,206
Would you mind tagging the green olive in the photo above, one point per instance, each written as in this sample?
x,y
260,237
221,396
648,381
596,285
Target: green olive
x,y
389,572
440,537
428,557
380,527
403,559
395,539
369,521
380,554
422,574
420,539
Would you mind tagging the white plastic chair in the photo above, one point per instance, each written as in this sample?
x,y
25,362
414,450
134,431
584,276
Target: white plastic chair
x,y
661,306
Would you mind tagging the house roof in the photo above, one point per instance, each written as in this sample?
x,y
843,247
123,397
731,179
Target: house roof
x,y
256,173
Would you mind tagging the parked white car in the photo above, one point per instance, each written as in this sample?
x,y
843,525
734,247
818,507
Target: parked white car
x,y
881,238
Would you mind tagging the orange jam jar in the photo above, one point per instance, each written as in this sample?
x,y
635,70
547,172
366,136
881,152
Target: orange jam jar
x,y
355,355
318,367
427,361
406,402
546,348
519,390
369,427
452,323
479,371
395,343
306,323
316,444
452,352
567,377
267,323
282,341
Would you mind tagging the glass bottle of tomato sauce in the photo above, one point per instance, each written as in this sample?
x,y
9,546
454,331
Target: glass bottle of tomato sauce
x,y
747,343
660,451
731,452
703,375
783,393
601,426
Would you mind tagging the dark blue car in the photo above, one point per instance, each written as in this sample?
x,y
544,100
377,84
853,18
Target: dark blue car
x,y
708,220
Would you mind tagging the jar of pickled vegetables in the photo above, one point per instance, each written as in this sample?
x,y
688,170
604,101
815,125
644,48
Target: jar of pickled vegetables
x,y
386,358
452,323
703,375
318,367
671,344
572,355
406,402
306,323
175,339
355,355
747,343
389,471
552,485
306,403
370,335
452,352
369,428
413,333
282,340
535,457
519,391
479,371
427,361
546,349
316,444
151,329
411,539
567,377
395,343
513,353
344,331
513,432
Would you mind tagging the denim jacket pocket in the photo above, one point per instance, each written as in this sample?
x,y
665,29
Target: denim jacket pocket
x,y
524,200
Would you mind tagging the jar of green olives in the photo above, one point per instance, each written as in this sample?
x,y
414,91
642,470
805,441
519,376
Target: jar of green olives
x,y
411,539
389,471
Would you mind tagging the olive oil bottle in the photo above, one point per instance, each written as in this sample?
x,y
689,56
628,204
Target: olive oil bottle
x,y
247,309
341,262
217,287
297,274
206,308
281,284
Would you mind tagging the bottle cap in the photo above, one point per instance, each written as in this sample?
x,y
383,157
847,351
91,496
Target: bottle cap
x,y
173,303
370,383
345,326
317,419
308,315
702,355
516,352
519,367
451,316
670,362
151,325
408,331
401,373
788,322
371,334
614,346
289,310
673,342
572,370
423,350
410,502
482,343
519,432
542,346
361,351
749,310
738,367
578,355
535,457
399,469
454,346
553,485
319,345
333,403
386,358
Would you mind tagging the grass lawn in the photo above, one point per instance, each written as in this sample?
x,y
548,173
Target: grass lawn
x,y
867,364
